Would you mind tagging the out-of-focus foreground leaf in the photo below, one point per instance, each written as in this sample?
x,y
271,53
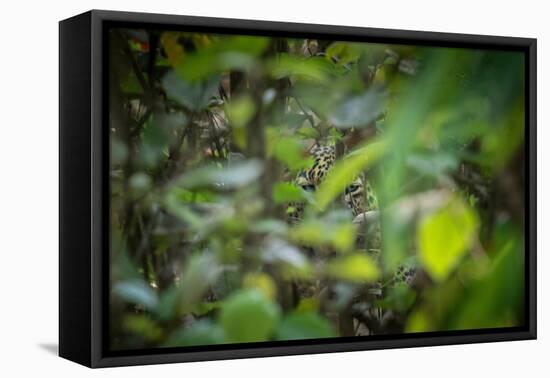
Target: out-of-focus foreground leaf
x,y
248,316
444,237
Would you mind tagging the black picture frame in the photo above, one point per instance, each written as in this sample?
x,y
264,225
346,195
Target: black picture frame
x,y
84,189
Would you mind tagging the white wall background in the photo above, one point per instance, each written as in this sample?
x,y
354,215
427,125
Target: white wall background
x,y
29,189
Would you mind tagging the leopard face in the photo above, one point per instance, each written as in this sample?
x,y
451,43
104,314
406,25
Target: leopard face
x,y
360,197
354,197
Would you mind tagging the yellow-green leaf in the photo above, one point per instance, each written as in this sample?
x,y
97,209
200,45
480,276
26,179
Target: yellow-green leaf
x,y
313,232
174,51
343,237
240,111
444,237
419,321
262,282
289,151
357,267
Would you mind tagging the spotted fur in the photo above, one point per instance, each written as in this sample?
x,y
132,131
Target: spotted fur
x,y
360,197
324,157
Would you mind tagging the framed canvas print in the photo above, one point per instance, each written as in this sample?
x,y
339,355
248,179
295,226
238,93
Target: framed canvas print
x,y
233,188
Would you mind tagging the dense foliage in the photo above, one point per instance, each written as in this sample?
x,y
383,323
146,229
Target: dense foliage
x,y
208,134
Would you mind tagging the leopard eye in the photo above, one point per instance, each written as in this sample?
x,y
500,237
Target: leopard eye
x,y
308,188
351,188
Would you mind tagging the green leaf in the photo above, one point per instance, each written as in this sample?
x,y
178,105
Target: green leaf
x,y
343,237
262,282
168,301
270,226
240,111
201,271
230,177
248,316
227,53
339,233
419,321
343,52
358,111
193,96
136,292
345,171
156,136
434,165
287,192
290,152
277,250
305,325
498,297
174,51
356,267
143,326
399,297
445,236
202,332
310,68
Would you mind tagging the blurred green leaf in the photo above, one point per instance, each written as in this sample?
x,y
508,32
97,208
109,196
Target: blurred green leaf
x,y
501,142
240,111
174,51
248,316
194,196
419,321
337,234
276,251
201,271
343,52
309,68
144,326
262,282
358,111
290,152
270,226
287,192
226,178
400,297
193,96
356,267
304,325
167,306
434,165
202,332
497,298
224,54
445,236
136,292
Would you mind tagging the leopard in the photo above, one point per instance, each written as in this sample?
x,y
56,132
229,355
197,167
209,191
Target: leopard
x,y
359,197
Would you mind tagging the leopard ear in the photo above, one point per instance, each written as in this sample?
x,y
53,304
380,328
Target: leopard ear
x,y
314,148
